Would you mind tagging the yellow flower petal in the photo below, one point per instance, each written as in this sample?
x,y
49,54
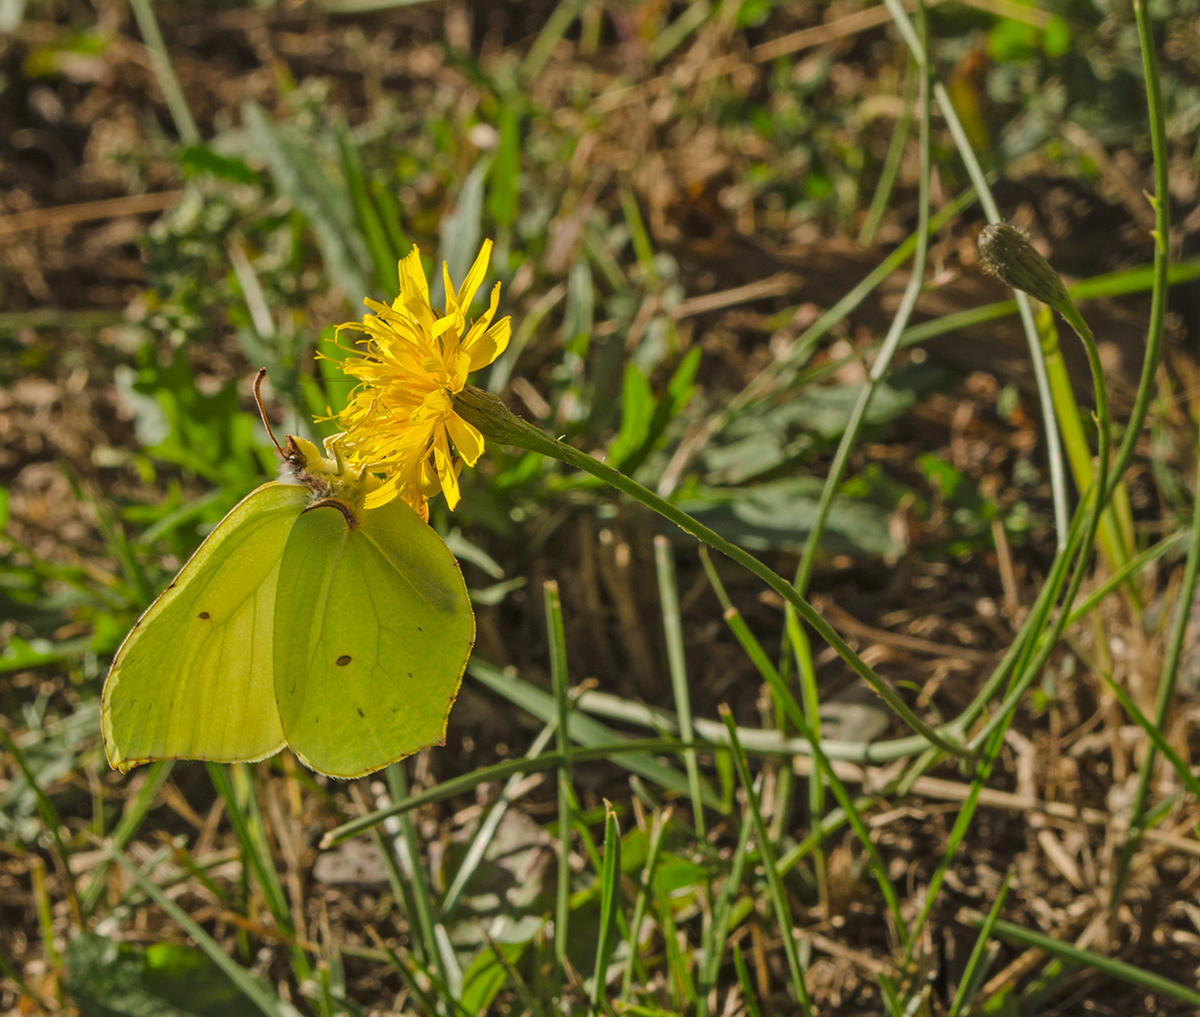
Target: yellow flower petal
x,y
468,442
466,292
399,422
491,344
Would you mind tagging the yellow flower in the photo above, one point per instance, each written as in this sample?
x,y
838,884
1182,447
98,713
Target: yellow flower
x,y
400,420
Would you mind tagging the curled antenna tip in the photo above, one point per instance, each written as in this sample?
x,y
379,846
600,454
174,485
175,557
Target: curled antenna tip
x,y
262,412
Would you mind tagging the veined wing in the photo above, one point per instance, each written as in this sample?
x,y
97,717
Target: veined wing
x,y
194,678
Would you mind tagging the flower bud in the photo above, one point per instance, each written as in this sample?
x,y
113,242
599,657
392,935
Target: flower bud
x,y
1008,255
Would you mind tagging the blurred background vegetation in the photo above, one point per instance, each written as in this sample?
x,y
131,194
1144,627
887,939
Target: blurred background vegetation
x,y
686,200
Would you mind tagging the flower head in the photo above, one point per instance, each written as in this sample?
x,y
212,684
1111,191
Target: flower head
x,y
400,420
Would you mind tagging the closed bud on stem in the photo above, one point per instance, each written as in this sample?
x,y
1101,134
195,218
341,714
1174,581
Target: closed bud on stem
x,y
1009,256
498,423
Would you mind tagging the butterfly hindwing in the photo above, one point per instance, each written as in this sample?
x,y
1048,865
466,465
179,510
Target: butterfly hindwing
x,y
194,678
373,630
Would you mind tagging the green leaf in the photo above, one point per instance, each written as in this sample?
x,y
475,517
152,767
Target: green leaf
x,y
504,194
109,979
196,159
637,410
484,979
780,513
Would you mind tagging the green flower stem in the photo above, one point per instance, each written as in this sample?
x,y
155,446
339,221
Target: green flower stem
x,y
1116,525
1008,254
499,424
1158,310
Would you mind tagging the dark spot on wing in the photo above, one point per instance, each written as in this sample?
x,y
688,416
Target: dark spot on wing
x,y
361,714
343,660
203,616
410,674
172,586
419,629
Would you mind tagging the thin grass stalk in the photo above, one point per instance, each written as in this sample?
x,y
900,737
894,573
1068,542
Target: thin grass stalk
x,y
487,830
445,967
160,60
1160,743
554,29
236,794
668,598
557,640
610,892
1162,703
683,990
883,360
658,827
891,162
976,969
735,620
235,787
743,976
783,913
797,638
43,909
1058,477
1119,970
717,933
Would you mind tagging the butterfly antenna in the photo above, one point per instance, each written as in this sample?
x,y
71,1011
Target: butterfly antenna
x,y
258,380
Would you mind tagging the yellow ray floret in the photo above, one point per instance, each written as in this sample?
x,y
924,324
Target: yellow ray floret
x,y
400,420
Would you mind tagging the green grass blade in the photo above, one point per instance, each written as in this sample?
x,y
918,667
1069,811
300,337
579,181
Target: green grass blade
x,y
160,60
1105,965
558,676
891,162
713,947
975,970
668,598
783,913
554,29
239,810
375,235
610,890
743,976
1153,733
979,181
445,968
658,827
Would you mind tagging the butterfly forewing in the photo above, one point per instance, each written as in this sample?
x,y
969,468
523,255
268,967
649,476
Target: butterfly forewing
x,y
373,631
193,679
